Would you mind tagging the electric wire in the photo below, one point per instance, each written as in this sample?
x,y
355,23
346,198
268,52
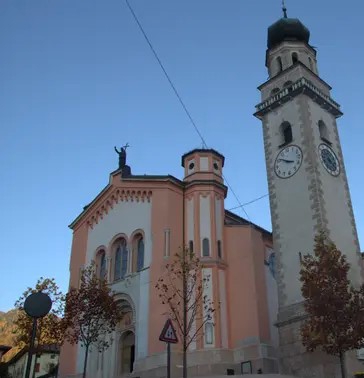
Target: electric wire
x,y
250,202
241,206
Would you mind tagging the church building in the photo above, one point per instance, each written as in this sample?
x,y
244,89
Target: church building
x,y
133,227
138,222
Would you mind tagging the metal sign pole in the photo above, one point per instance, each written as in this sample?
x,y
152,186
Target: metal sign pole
x,y
31,347
168,360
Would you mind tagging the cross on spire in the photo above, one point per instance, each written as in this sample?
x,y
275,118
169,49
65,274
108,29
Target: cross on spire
x,y
284,9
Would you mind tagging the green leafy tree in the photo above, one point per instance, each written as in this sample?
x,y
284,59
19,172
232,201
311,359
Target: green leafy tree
x,y
181,288
91,313
334,307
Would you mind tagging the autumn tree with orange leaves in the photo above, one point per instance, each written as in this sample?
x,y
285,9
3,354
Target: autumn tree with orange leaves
x,y
49,328
335,322
182,289
91,314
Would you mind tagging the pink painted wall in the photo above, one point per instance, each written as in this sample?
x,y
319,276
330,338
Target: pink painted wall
x,y
68,354
246,287
167,212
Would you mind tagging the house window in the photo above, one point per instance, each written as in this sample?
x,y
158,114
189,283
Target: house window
x,y
37,367
294,58
209,333
121,259
286,131
190,246
140,254
219,252
279,64
205,247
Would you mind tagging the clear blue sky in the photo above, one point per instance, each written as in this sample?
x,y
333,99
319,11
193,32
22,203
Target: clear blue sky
x,y
77,78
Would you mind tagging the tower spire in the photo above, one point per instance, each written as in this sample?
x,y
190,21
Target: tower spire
x,y
284,9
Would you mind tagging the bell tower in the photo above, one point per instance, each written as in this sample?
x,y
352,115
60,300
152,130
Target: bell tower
x,y
307,182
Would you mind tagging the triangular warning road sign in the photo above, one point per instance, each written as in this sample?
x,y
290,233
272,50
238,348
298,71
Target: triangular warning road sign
x,y
168,334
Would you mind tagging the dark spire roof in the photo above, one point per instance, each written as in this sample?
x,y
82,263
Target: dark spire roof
x,y
287,29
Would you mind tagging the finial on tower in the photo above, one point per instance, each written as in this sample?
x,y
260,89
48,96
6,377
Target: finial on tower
x,y
284,9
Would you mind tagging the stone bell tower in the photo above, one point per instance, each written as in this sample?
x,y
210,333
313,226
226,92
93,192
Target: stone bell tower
x,y
308,186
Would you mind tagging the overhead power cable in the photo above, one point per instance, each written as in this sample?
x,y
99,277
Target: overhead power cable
x,y
250,202
241,206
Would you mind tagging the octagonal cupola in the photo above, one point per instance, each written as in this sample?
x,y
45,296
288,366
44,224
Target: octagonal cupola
x,y
203,165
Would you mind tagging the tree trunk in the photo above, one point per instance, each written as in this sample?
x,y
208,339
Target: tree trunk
x,y
85,363
185,306
342,364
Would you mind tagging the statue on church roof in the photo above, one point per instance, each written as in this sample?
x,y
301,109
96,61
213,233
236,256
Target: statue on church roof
x,y
122,155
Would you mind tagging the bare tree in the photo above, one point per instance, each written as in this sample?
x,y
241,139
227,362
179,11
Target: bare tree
x,y
182,289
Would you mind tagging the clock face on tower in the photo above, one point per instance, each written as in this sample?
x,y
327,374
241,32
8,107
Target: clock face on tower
x,y
329,160
288,161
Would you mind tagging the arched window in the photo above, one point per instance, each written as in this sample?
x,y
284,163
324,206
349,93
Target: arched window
x,y
209,333
140,254
324,134
101,264
287,84
190,246
205,247
274,91
121,259
219,251
279,64
286,131
294,58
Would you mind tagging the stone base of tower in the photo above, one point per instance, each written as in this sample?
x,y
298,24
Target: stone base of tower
x,y
295,360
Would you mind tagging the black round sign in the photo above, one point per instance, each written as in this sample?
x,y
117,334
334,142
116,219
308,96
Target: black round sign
x,y
37,305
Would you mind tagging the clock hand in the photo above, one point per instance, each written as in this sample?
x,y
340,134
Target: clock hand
x,y
287,161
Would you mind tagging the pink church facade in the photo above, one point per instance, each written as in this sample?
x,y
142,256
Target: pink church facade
x,y
133,228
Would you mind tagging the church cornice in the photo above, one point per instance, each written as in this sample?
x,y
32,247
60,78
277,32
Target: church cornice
x,y
98,208
291,68
301,86
101,204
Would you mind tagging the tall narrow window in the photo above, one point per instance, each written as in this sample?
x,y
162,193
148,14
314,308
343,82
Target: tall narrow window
x,y
117,266
219,251
310,63
121,259
167,241
190,246
124,260
323,131
205,247
279,64
294,58
209,333
286,130
101,264
140,255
